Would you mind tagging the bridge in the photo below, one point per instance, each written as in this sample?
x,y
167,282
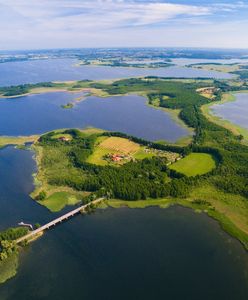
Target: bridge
x,y
53,223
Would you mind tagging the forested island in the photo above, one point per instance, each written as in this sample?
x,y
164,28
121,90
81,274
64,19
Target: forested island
x,y
208,174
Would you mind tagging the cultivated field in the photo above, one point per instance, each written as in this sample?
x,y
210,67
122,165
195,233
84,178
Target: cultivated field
x,y
117,144
112,145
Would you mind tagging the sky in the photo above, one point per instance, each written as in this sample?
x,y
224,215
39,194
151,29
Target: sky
x,y
43,24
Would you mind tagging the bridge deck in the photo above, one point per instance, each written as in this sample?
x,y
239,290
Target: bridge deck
x,y
56,221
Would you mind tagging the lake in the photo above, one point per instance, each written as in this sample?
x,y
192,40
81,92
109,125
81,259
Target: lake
x,y
122,253
16,73
39,113
16,169
188,61
235,111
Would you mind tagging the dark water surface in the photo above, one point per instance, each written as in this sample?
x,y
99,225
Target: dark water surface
x,y
235,112
16,73
16,182
123,253
36,114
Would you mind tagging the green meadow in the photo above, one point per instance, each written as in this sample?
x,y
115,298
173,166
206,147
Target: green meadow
x,y
194,164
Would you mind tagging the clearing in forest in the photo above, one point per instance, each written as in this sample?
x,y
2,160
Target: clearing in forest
x,y
194,164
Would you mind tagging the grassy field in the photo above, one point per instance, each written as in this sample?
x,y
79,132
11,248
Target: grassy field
x,y
8,267
58,200
18,140
194,164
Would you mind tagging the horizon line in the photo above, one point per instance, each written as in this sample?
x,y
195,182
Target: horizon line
x,y
126,47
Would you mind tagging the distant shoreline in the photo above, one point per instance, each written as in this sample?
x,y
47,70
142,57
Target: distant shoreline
x,y
234,128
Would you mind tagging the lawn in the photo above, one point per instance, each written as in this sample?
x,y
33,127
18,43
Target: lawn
x,y
194,164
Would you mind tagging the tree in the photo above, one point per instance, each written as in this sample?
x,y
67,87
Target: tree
x,y
42,196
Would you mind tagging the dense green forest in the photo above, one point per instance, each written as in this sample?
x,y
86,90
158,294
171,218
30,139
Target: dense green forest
x,y
7,238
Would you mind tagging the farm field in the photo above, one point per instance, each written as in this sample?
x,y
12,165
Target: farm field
x,y
194,164
120,145
116,145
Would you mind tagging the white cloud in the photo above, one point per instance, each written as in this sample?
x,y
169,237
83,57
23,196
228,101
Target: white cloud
x,y
120,13
78,23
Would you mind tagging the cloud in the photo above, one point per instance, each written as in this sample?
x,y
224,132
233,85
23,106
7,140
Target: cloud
x,y
116,13
77,23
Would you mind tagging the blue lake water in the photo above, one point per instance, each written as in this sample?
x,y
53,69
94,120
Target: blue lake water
x,y
189,61
235,112
120,254
16,168
16,73
37,114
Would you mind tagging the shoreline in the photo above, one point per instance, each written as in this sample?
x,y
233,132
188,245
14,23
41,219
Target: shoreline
x,y
173,113
11,266
225,223
234,128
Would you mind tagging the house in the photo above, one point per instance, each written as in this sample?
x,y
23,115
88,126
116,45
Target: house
x,y
208,92
116,157
64,139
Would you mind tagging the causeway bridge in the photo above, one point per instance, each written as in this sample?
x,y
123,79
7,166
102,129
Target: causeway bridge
x,y
61,219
